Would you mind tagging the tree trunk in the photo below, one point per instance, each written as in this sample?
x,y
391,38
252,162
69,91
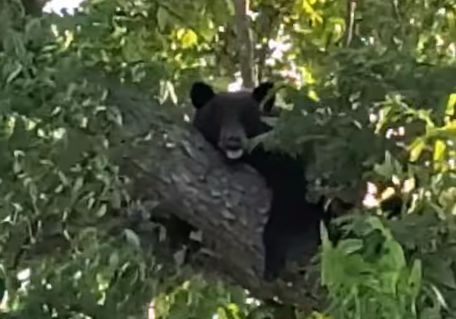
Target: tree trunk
x,y
186,178
34,7
245,43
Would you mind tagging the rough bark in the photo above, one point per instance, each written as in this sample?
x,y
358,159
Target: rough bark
x,y
180,171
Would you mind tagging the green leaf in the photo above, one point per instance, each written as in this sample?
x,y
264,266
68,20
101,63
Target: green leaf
x,y
20,137
440,271
414,280
257,140
101,211
33,29
187,37
76,188
350,246
396,254
386,169
114,259
416,148
162,18
132,238
14,73
439,150
451,105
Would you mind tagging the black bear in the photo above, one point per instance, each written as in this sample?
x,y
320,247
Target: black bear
x,y
227,120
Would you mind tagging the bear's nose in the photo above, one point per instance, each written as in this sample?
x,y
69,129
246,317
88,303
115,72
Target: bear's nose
x,y
233,142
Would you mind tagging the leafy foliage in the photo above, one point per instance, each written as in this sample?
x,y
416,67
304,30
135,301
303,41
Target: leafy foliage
x,y
373,278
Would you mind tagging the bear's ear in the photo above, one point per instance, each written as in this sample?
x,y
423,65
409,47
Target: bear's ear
x,y
200,94
261,91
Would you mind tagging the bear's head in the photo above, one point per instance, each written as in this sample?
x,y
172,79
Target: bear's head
x,y
227,120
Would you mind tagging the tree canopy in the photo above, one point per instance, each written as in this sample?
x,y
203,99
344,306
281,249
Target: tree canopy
x,y
111,203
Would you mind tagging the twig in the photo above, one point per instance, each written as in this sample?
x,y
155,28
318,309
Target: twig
x,y
350,21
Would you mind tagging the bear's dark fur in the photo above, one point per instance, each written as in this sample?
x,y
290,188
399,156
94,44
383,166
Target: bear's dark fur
x,y
227,120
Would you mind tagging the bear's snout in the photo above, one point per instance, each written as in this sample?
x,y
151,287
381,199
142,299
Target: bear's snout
x,y
232,140
233,143
232,146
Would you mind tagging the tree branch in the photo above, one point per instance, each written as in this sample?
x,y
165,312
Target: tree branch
x,y
350,21
268,29
180,171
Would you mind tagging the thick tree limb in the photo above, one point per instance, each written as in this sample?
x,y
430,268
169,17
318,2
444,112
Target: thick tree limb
x,y
182,173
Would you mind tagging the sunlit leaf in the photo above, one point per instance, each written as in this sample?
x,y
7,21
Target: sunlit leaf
x,y
187,37
451,105
439,150
416,148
